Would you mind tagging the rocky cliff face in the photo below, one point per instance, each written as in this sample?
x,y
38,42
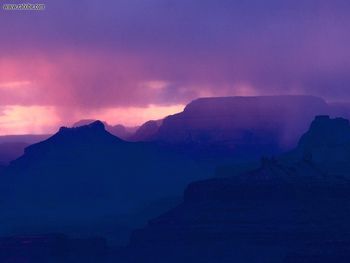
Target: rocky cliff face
x,y
327,132
291,210
248,126
326,144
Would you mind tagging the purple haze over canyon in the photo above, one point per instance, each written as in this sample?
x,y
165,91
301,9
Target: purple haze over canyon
x,y
131,61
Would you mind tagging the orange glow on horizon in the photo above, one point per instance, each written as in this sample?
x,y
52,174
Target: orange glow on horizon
x,y
16,119
27,120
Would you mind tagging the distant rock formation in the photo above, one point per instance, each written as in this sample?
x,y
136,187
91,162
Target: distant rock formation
x,y
326,132
146,132
326,144
294,208
240,127
118,130
244,126
85,178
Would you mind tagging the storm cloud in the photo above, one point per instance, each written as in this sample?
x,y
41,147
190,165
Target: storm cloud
x,y
89,55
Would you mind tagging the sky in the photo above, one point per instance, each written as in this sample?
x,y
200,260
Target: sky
x,y
128,61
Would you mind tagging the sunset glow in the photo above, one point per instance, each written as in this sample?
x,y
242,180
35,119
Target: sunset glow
x,y
145,65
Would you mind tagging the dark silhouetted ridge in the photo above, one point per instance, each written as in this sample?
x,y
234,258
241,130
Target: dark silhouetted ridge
x,y
93,135
86,179
293,208
325,131
117,130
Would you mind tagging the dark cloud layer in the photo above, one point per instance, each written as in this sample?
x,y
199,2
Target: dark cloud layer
x,y
92,54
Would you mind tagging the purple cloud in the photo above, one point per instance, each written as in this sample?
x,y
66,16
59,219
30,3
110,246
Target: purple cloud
x,y
90,55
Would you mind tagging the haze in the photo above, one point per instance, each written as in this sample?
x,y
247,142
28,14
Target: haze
x,y
129,61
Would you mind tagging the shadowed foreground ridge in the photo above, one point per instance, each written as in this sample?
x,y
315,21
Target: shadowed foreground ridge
x,y
84,181
294,208
53,248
